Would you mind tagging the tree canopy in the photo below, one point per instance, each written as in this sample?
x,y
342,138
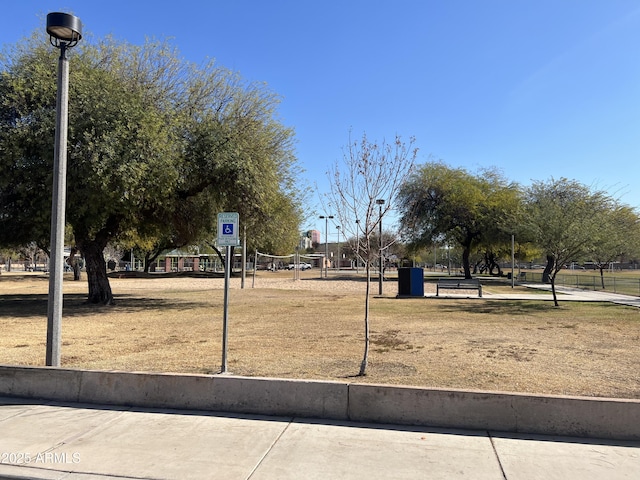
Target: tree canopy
x,y
157,146
616,238
439,203
565,218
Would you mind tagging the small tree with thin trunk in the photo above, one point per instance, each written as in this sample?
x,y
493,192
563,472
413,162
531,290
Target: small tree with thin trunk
x,y
369,173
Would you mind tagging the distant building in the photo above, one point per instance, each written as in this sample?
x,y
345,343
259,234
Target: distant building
x,y
309,238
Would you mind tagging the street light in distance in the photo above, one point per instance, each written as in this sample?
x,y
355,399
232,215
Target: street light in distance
x,y
339,255
357,244
326,243
380,202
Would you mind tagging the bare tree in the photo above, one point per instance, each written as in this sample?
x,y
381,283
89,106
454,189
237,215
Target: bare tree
x,y
363,190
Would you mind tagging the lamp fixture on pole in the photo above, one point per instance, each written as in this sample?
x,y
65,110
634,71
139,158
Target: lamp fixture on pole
x,y
65,31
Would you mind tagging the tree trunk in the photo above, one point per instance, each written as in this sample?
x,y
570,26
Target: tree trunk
x,y
365,357
219,253
492,264
602,276
465,261
546,274
99,288
553,290
76,271
476,267
152,255
74,263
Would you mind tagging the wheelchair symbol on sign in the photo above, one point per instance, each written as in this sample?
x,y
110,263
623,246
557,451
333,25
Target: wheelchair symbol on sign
x,y
227,228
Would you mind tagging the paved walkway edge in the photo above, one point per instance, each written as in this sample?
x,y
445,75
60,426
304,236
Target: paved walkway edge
x,y
606,418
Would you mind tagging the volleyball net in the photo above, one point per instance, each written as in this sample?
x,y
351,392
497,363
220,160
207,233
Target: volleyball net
x,y
296,262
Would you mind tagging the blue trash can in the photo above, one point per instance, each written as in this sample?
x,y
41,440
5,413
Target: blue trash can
x,y
410,282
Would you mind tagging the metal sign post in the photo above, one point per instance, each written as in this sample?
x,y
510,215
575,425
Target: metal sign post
x,y
227,237
225,312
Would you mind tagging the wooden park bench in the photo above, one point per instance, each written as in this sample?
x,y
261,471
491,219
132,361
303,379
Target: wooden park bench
x,y
458,284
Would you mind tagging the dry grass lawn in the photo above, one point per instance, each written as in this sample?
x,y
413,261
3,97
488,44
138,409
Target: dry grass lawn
x,y
313,328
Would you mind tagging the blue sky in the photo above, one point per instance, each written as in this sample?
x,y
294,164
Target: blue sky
x,y
538,89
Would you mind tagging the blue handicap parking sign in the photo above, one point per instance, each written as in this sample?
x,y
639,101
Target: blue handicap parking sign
x,y
227,228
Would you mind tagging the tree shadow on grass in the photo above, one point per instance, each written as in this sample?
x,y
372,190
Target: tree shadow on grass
x,y
483,307
76,305
499,307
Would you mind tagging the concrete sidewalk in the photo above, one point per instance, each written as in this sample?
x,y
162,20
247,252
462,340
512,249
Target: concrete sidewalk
x,y
583,295
565,294
47,440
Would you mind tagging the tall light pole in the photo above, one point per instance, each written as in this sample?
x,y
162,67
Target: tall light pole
x,y
339,256
357,244
65,31
326,243
380,202
513,260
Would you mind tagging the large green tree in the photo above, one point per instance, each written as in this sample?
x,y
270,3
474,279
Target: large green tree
x,y
564,218
157,146
440,204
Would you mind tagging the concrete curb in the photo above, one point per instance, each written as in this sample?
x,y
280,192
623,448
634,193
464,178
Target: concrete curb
x,y
497,411
605,418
